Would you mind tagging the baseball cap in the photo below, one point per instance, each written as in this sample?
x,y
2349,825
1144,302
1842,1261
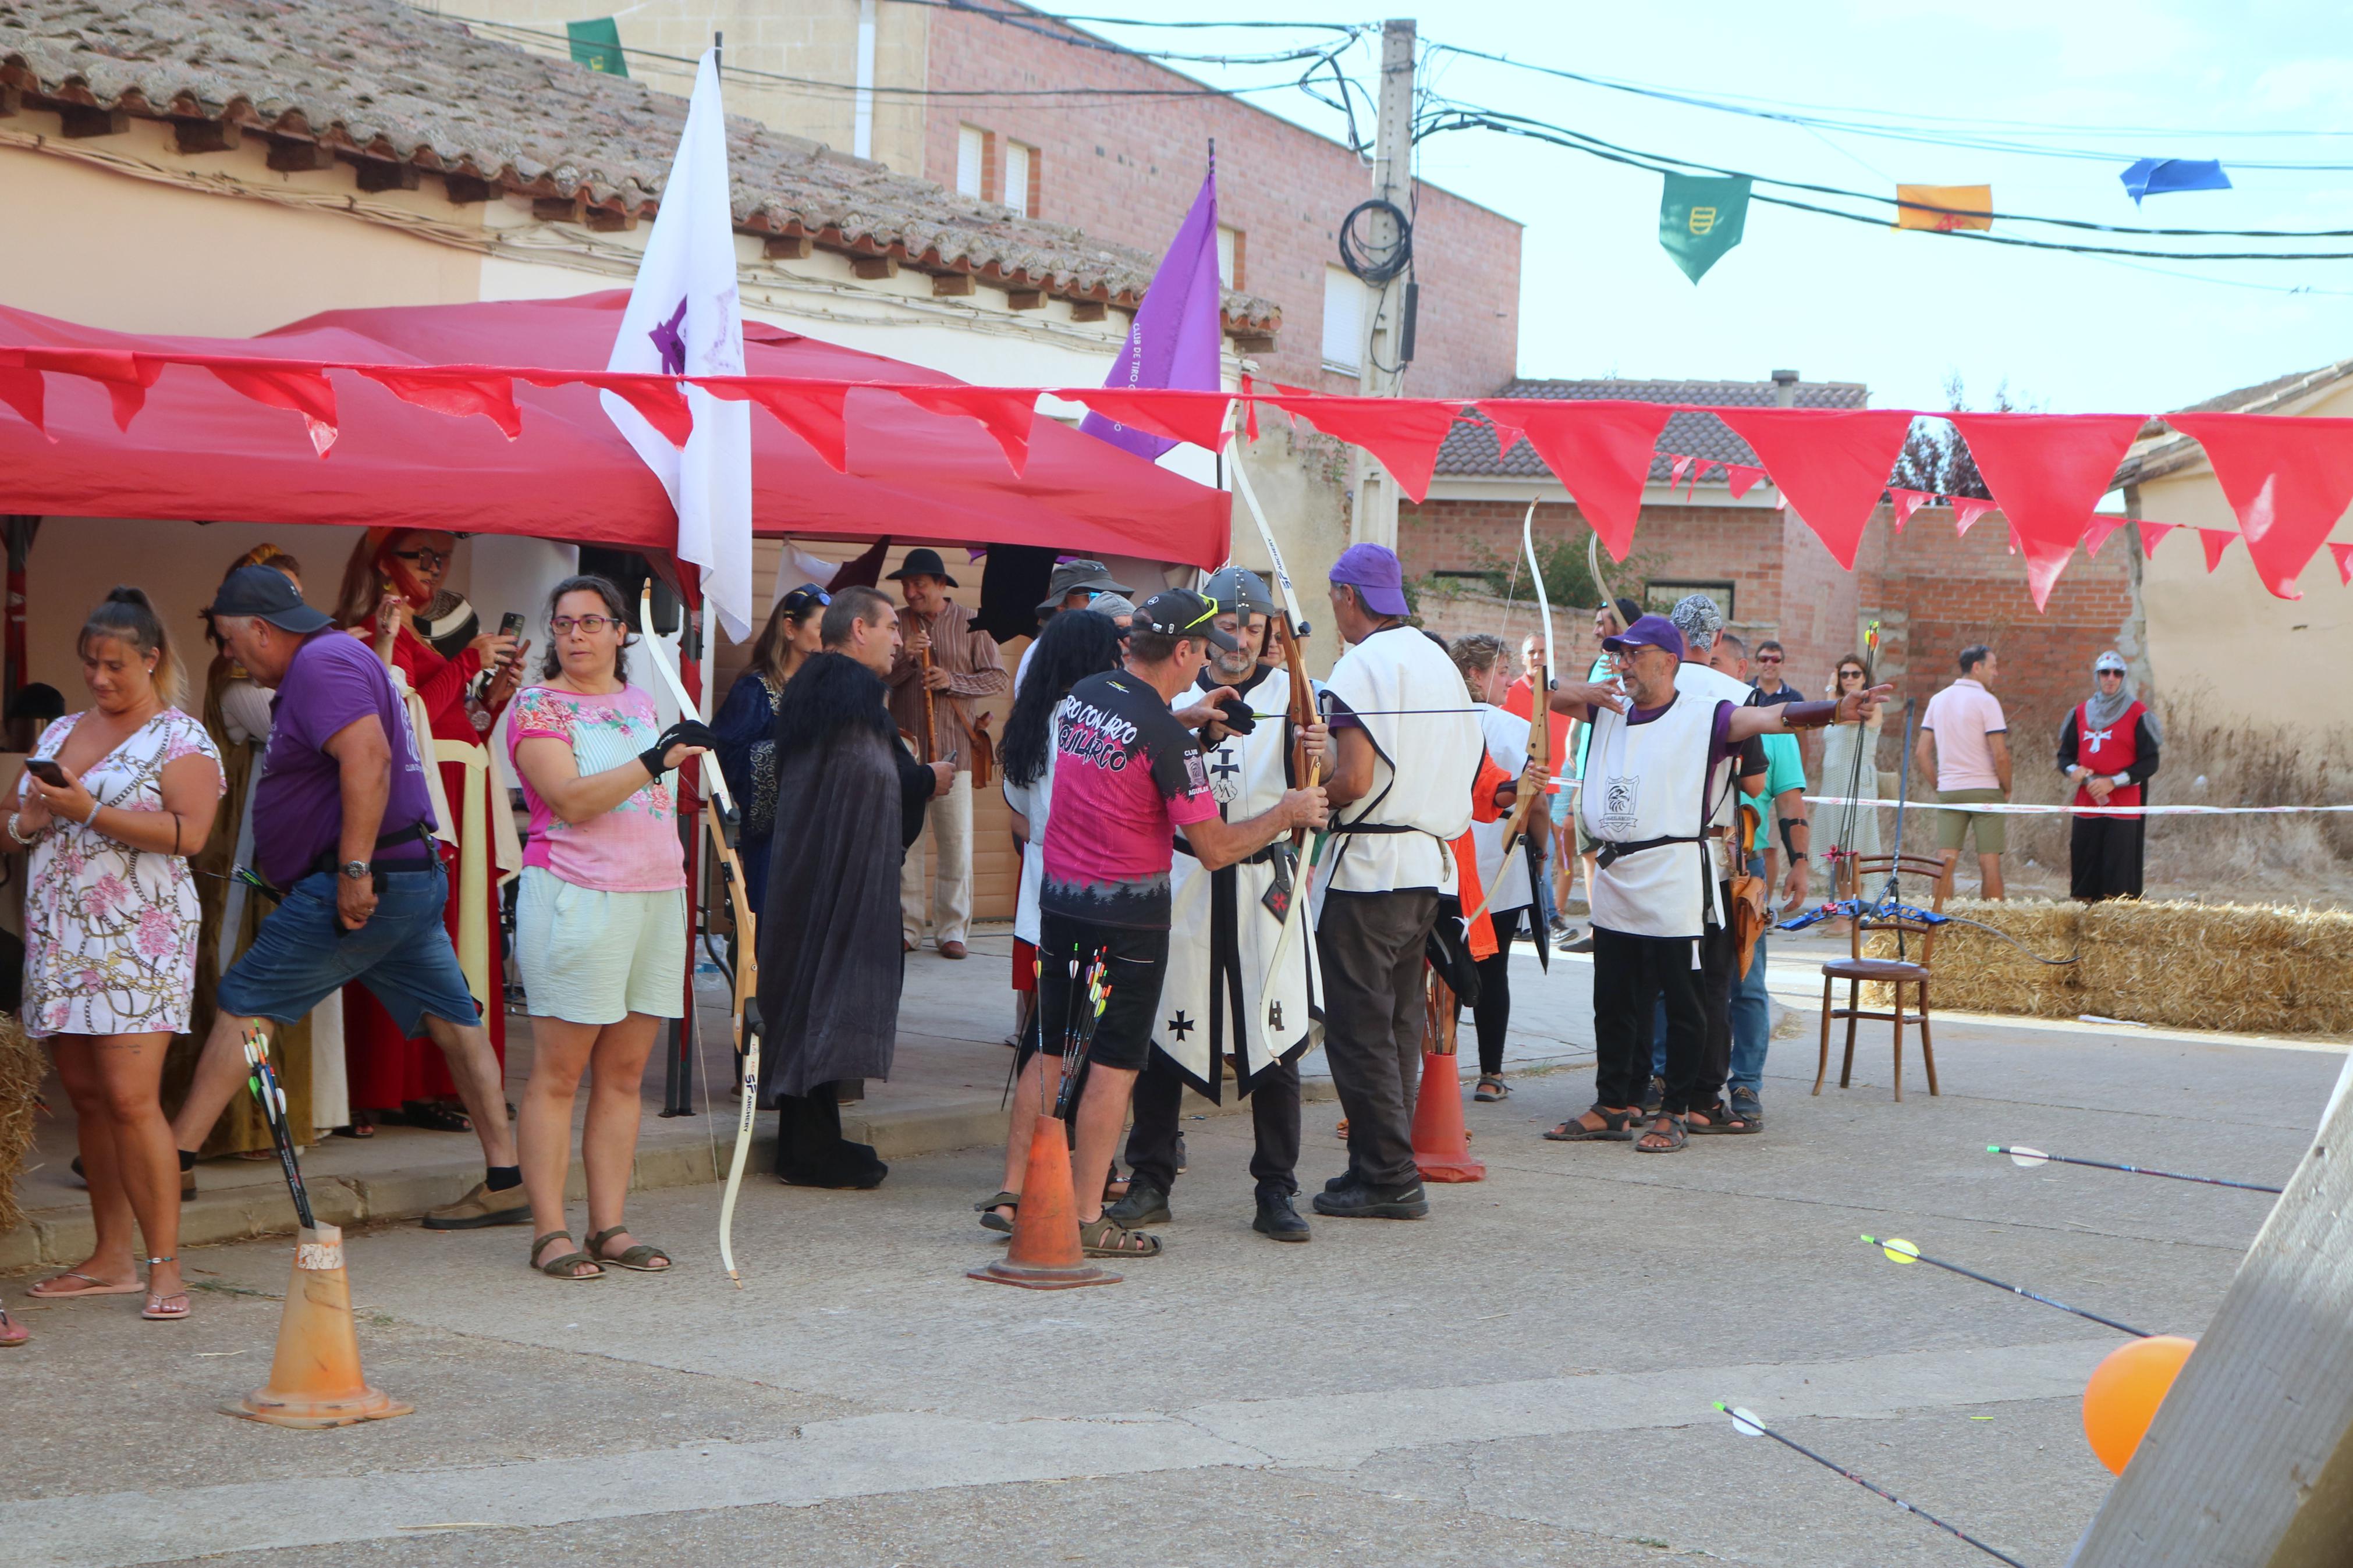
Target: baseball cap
x,y
2110,660
1182,613
266,592
1649,631
1076,576
1373,570
1111,604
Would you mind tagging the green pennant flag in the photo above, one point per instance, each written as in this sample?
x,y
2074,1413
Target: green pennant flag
x,y
1700,218
597,45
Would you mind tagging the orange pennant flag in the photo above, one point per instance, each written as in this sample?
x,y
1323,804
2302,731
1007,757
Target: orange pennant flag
x,y
1943,207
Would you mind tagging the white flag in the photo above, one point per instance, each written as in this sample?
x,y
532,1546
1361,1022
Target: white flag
x,y
684,318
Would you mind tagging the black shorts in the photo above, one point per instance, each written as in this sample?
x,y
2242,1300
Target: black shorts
x,y
1134,963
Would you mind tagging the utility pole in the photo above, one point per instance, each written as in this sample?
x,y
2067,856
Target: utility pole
x,y
1375,520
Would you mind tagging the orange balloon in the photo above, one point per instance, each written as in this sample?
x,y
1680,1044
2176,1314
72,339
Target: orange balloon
x,y
2122,1398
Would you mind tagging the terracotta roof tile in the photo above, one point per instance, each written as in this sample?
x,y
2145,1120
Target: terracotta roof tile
x,y
376,78
1471,447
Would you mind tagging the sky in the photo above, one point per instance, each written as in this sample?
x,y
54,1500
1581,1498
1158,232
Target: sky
x,y
2244,81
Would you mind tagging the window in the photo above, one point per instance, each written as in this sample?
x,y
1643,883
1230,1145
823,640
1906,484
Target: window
x,y
1661,595
1229,257
1021,178
972,158
1344,321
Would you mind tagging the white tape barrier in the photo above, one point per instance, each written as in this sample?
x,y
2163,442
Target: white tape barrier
x,y
2011,808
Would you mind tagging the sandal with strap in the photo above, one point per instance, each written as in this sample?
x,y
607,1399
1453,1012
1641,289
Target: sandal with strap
x,y
991,1220
433,1116
639,1258
1672,1127
159,1307
12,1332
564,1268
1617,1127
97,1287
1492,1087
1107,1238
1720,1118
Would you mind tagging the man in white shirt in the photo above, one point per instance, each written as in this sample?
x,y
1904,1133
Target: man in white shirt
x,y
1409,749
1965,738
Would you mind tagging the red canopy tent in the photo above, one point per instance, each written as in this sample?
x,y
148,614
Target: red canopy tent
x,y
192,452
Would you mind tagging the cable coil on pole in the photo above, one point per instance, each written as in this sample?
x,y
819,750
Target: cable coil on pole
x,y
1368,265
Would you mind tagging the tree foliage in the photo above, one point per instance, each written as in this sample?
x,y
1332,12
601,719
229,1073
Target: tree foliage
x,y
1935,458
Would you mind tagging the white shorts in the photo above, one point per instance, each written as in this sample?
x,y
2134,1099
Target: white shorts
x,y
589,956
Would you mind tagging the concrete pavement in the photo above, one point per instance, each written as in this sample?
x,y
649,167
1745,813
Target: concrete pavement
x,y
1525,1377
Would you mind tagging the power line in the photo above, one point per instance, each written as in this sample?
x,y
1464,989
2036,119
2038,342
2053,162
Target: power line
x,y
1467,117
1920,128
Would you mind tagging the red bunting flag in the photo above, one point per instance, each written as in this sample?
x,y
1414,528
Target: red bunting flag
x,y
456,390
1403,433
126,376
1177,415
811,410
658,398
24,391
1676,471
2153,533
2096,534
1829,464
1967,509
1907,502
1005,413
2047,471
2344,553
1600,450
1741,477
2216,541
303,392
1250,411
2288,479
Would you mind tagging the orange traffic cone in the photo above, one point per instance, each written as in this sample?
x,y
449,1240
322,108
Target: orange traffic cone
x,y
315,1379
1044,1253
1441,1147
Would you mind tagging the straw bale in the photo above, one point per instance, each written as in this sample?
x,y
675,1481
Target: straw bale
x,y
21,1066
2243,968
1972,971
2234,968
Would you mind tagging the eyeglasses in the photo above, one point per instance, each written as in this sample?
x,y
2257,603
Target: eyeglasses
x,y
563,625
424,560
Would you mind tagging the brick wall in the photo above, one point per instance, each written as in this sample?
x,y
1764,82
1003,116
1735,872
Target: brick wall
x,y
1128,169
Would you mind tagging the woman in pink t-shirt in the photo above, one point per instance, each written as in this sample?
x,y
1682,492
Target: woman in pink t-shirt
x,y
600,924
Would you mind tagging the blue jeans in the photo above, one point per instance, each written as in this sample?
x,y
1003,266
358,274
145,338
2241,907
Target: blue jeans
x,y
301,955
1752,1019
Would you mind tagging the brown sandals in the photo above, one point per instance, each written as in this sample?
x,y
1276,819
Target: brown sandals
x,y
639,1258
567,1266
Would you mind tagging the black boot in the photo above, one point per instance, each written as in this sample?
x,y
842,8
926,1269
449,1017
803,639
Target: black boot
x,y
1144,1205
1360,1202
1278,1220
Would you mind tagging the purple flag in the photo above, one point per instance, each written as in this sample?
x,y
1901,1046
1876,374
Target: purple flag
x,y
1179,328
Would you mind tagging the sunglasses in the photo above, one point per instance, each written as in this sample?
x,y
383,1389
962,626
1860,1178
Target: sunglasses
x,y
800,599
1768,659
425,560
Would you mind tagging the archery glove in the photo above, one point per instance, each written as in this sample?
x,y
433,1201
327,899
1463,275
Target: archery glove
x,y
685,733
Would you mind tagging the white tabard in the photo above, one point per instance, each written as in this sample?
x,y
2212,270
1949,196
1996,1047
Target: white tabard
x,y
1409,696
1220,936
1507,743
1702,681
1645,781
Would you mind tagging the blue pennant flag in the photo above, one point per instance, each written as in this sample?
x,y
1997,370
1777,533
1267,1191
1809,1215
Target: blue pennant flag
x,y
2162,176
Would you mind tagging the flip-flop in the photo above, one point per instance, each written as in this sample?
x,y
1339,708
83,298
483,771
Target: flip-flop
x,y
12,1332
156,1311
97,1288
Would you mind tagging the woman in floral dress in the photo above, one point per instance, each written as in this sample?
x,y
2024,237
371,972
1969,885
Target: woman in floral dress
x,y
111,918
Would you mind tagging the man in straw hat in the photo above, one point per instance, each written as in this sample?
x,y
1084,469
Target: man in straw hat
x,y
1662,753
947,665
1224,929
2107,749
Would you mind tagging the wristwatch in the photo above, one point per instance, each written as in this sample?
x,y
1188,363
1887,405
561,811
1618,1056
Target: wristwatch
x,y
357,870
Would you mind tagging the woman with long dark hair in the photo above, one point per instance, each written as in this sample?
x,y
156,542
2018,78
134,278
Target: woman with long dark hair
x,y
1074,645
115,799
393,596
746,724
600,927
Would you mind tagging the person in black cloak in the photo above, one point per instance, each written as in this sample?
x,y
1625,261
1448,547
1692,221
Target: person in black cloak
x,y
850,799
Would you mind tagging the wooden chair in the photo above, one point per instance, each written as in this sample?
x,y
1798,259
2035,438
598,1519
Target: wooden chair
x,y
1870,871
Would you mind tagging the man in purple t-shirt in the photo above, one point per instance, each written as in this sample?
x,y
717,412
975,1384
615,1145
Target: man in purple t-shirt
x,y
343,827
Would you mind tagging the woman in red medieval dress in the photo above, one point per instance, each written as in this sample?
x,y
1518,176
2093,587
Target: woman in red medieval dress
x,y
392,596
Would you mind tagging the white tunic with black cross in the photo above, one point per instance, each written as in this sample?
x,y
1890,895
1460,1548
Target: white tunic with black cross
x,y
1650,795
1221,933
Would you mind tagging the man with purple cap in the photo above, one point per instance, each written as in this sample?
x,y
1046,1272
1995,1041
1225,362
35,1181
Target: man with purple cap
x,y
1653,778
1409,749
